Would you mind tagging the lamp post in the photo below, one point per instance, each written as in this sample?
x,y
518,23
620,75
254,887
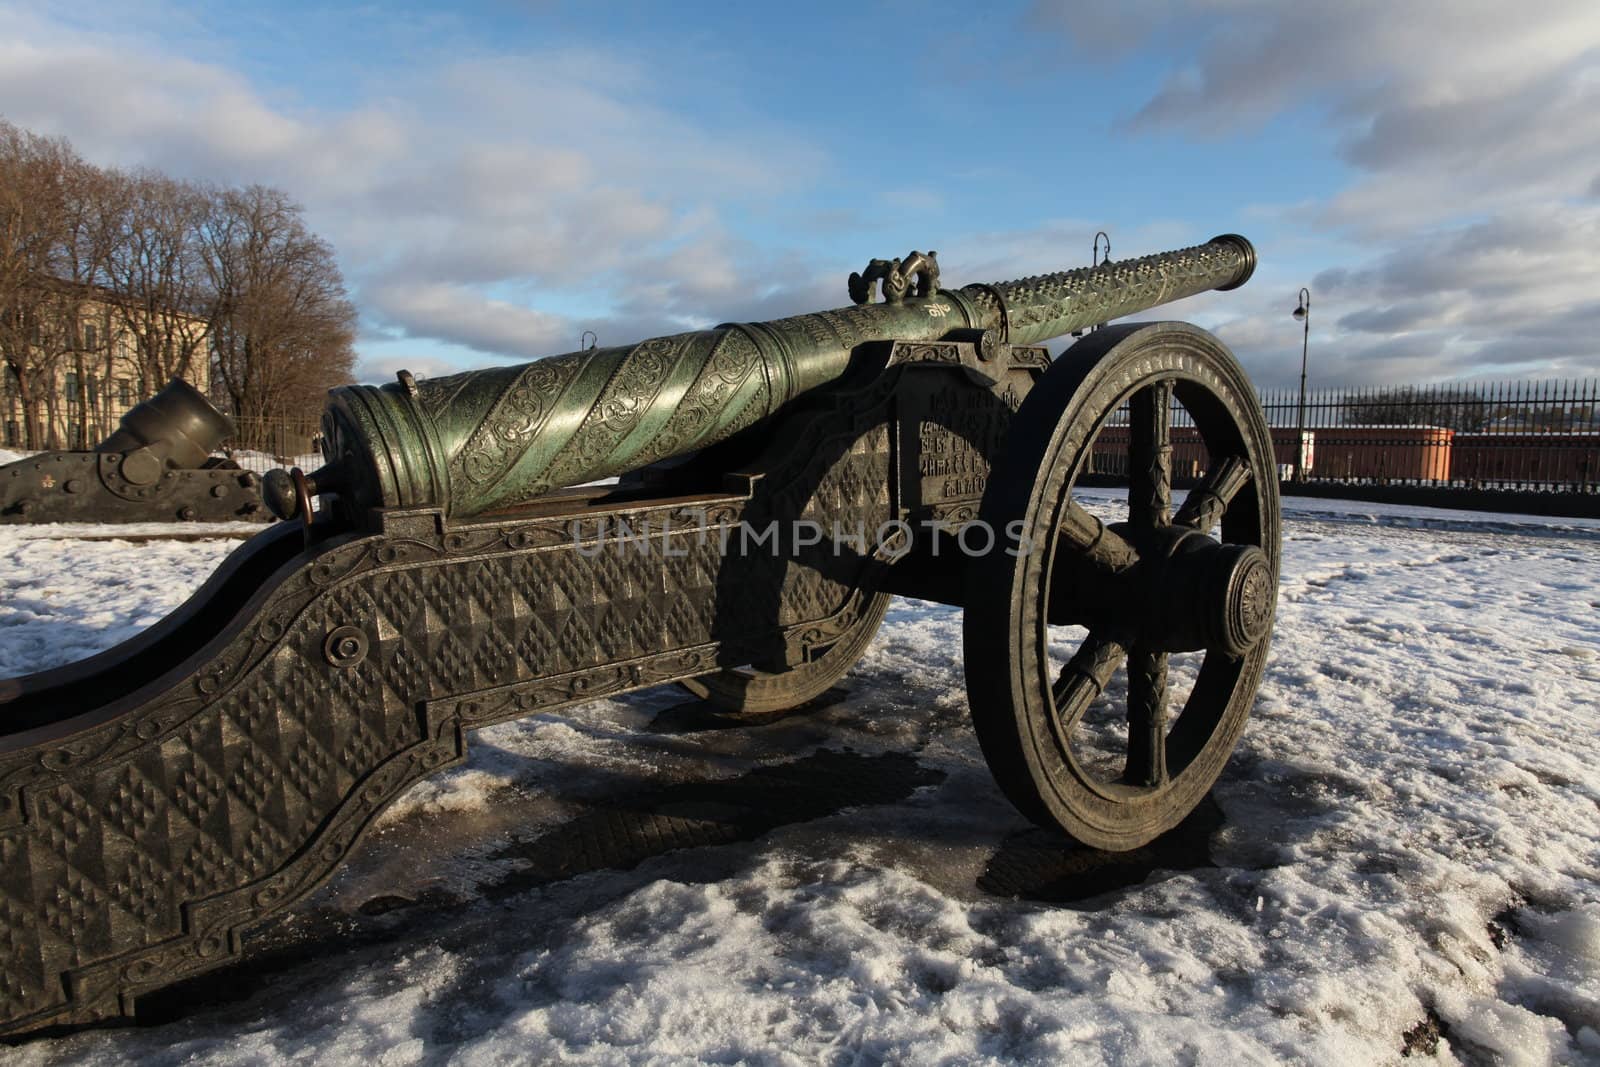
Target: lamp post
x,y
1303,313
1095,260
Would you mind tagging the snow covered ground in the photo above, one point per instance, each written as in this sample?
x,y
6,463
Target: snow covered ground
x,y
1403,854
260,462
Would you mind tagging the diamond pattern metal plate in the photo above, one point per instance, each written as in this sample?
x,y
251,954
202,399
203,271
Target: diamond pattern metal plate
x,y
146,843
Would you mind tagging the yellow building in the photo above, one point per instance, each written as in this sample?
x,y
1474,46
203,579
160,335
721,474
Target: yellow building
x,y
84,360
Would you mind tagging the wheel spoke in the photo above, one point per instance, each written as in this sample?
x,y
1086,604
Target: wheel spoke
x,y
1088,537
1085,677
1206,503
1150,456
1147,718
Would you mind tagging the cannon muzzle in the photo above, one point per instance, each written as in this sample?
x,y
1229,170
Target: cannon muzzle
x,y
176,428
493,439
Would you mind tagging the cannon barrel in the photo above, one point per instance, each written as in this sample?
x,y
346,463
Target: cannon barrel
x,y
492,439
174,430
178,426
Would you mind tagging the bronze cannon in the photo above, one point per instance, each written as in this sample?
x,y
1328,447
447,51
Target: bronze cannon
x,y
156,467
776,483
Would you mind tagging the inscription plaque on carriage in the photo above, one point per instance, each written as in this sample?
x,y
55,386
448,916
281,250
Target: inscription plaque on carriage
x,y
947,431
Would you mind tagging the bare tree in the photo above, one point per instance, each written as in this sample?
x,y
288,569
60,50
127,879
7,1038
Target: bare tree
x,y
197,278
1408,405
32,180
93,210
158,276
281,325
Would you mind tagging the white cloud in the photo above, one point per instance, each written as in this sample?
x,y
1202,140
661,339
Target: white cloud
x,y
1472,128
1440,103
461,315
382,369
546,173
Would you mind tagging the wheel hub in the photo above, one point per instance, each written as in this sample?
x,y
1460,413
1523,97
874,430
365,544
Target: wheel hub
x,y
1187,592
1238,608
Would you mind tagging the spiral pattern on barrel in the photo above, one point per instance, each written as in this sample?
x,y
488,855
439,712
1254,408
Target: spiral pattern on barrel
x,y
492,439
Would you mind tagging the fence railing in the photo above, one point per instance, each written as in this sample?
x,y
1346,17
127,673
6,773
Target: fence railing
x,y
1517,435
262,444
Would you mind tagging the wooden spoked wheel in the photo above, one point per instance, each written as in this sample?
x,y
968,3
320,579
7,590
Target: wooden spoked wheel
x,y
750,691
1132,594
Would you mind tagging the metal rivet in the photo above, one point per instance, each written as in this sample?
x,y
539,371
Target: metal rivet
x,y
345,646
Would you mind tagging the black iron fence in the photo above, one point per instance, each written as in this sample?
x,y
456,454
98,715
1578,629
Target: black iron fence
x,y
1540,436
262,444
1498,435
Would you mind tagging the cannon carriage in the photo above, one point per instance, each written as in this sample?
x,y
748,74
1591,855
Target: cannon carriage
x,y
779,482
155,467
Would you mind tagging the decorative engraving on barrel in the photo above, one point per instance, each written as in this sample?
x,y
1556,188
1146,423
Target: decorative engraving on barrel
x,y
732,361
438,399
1036,305
624,401
515,419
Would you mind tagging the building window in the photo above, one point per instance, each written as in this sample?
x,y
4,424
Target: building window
x,y
72,388
93,389
125,392
89,337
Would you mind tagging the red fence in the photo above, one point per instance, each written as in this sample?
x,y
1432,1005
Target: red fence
x,y
1540,460
1375,453
1495,435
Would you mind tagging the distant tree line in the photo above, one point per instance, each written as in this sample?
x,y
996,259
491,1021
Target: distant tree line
x,y
183,273
1407,405
1470,410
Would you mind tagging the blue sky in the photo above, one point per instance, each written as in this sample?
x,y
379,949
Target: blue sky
x,y
499,177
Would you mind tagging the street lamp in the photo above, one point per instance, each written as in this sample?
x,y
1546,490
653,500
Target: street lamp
x,y
1303,313
1095,260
